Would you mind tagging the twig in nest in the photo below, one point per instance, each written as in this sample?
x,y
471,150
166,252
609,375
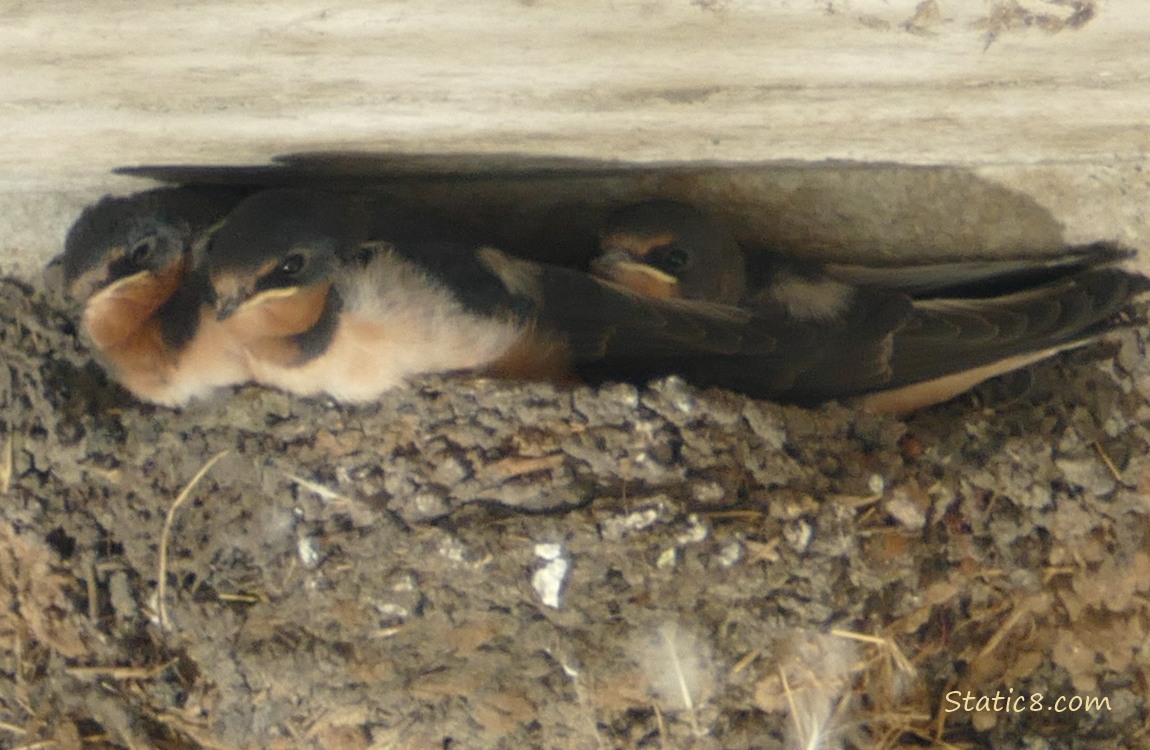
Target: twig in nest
x,y
7,461
121,673
661,725
885,644
1110,466
323,491
162,589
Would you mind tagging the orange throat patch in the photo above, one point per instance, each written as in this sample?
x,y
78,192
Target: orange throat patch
x,y
281,316
113,316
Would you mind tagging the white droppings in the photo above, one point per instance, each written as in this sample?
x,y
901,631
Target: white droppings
x,y
798,534
696,531
708,493
548,550
407,583
640,520
902,507
549,578
308,550
393,612
618,527
730,554
452,549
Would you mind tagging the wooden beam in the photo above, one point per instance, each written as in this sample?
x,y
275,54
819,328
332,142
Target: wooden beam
x,y
1003,88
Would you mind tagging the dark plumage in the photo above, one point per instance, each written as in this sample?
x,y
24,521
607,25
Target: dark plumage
x,y
902,337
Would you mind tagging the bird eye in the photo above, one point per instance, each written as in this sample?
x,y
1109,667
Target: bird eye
x,y
669,258
142,250
292,264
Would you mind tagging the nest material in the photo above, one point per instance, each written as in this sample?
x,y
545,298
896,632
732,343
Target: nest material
x,y
373,576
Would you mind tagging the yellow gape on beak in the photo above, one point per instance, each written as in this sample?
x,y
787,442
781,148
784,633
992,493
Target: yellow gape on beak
x,y
235,294
619,266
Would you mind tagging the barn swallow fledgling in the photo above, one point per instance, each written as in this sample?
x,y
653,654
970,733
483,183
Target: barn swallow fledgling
x,y
326,306
148,317
965,321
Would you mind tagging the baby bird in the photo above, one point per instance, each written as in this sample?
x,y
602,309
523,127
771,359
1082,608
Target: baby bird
x,y
147,315
957,323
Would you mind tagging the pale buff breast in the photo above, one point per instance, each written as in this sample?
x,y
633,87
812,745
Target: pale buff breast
x,y
368,357
396,323
151,371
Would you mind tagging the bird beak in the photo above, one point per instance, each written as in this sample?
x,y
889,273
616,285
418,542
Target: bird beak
x,y
86,285
620,267
232,296
227,307
97,283
230,293
606,263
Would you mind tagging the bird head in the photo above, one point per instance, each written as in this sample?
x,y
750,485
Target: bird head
x,y
119,246
666,249
277,249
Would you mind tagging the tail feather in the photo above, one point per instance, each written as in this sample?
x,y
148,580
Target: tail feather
x,y
946,336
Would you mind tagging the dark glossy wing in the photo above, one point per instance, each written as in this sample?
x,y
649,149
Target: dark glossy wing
x,y
980,278
879,341
764,352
